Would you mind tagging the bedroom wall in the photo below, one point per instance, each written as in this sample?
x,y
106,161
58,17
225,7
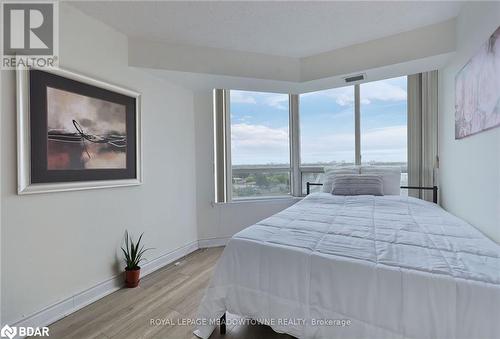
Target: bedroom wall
x,y
56,245
470,167
218,222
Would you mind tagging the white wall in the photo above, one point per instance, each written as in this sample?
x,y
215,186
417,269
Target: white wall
x,y
470,167
221,221
56,245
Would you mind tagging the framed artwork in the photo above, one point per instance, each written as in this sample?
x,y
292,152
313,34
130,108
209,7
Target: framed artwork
x,y
477,90
75,133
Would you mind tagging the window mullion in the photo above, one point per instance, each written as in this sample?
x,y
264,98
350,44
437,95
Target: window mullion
x,y
227,146
294,140
219,146
357,124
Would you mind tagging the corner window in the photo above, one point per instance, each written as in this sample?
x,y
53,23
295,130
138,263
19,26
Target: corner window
x,y
272,144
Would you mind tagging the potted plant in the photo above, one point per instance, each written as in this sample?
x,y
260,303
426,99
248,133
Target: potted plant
x,y
133,256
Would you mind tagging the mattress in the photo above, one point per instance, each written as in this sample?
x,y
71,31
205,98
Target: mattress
x,y
359,267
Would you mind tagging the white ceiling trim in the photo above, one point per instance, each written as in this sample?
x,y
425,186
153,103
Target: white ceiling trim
x,y
204,82
143,53
435,40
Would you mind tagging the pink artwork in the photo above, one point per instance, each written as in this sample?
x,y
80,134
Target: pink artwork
x,y
477,90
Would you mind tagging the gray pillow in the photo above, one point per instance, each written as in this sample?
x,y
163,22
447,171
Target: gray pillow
x,y
358,184
331,172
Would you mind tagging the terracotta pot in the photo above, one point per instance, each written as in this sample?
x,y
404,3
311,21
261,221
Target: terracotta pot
x,y
132,277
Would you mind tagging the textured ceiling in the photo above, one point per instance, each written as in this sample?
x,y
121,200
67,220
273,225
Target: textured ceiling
x,y
293,29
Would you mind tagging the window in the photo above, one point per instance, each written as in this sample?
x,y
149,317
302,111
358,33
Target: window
x,y
260,151
383,107
327,127
278,142
326,131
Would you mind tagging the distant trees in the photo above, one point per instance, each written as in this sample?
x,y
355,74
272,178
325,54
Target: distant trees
x,y
261,183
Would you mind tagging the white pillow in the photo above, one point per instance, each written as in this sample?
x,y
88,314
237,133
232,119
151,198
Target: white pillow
x,y
391,175
331,172
358,184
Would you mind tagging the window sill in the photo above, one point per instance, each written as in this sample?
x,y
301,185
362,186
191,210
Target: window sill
x,y
259,200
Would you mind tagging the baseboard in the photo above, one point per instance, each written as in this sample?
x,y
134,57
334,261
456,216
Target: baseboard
x,y
213,242
72,304
69,305
168,258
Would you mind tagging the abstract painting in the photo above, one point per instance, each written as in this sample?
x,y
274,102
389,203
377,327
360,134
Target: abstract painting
x,y
80,133
84,132
477,90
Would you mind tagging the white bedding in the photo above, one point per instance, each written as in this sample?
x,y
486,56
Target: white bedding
x,y
396,267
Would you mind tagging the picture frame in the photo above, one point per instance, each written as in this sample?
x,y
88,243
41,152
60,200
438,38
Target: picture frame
x,y
84,153
477,90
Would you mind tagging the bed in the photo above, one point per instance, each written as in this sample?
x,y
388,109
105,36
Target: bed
x,y
359,267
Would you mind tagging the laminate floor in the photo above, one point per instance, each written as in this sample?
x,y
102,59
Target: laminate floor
x,y
167,296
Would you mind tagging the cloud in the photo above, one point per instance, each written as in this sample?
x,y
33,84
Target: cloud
x,y
327,147
275,100
242,97
343,96
344,99
258,135
384,90
383,144
258,144
279,101
241,119
392,137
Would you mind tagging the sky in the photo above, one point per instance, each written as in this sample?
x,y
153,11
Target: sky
x,y
259,125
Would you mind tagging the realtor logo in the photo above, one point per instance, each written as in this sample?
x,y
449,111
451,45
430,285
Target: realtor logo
x,y
28,29
24,331
29,34
8,332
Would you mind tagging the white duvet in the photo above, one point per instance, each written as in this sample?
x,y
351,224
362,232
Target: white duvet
x,y
394,267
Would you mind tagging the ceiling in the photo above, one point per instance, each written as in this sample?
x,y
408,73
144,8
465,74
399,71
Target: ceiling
x,y
292,29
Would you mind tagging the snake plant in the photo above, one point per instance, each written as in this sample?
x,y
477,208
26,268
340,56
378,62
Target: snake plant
x,y
133,252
